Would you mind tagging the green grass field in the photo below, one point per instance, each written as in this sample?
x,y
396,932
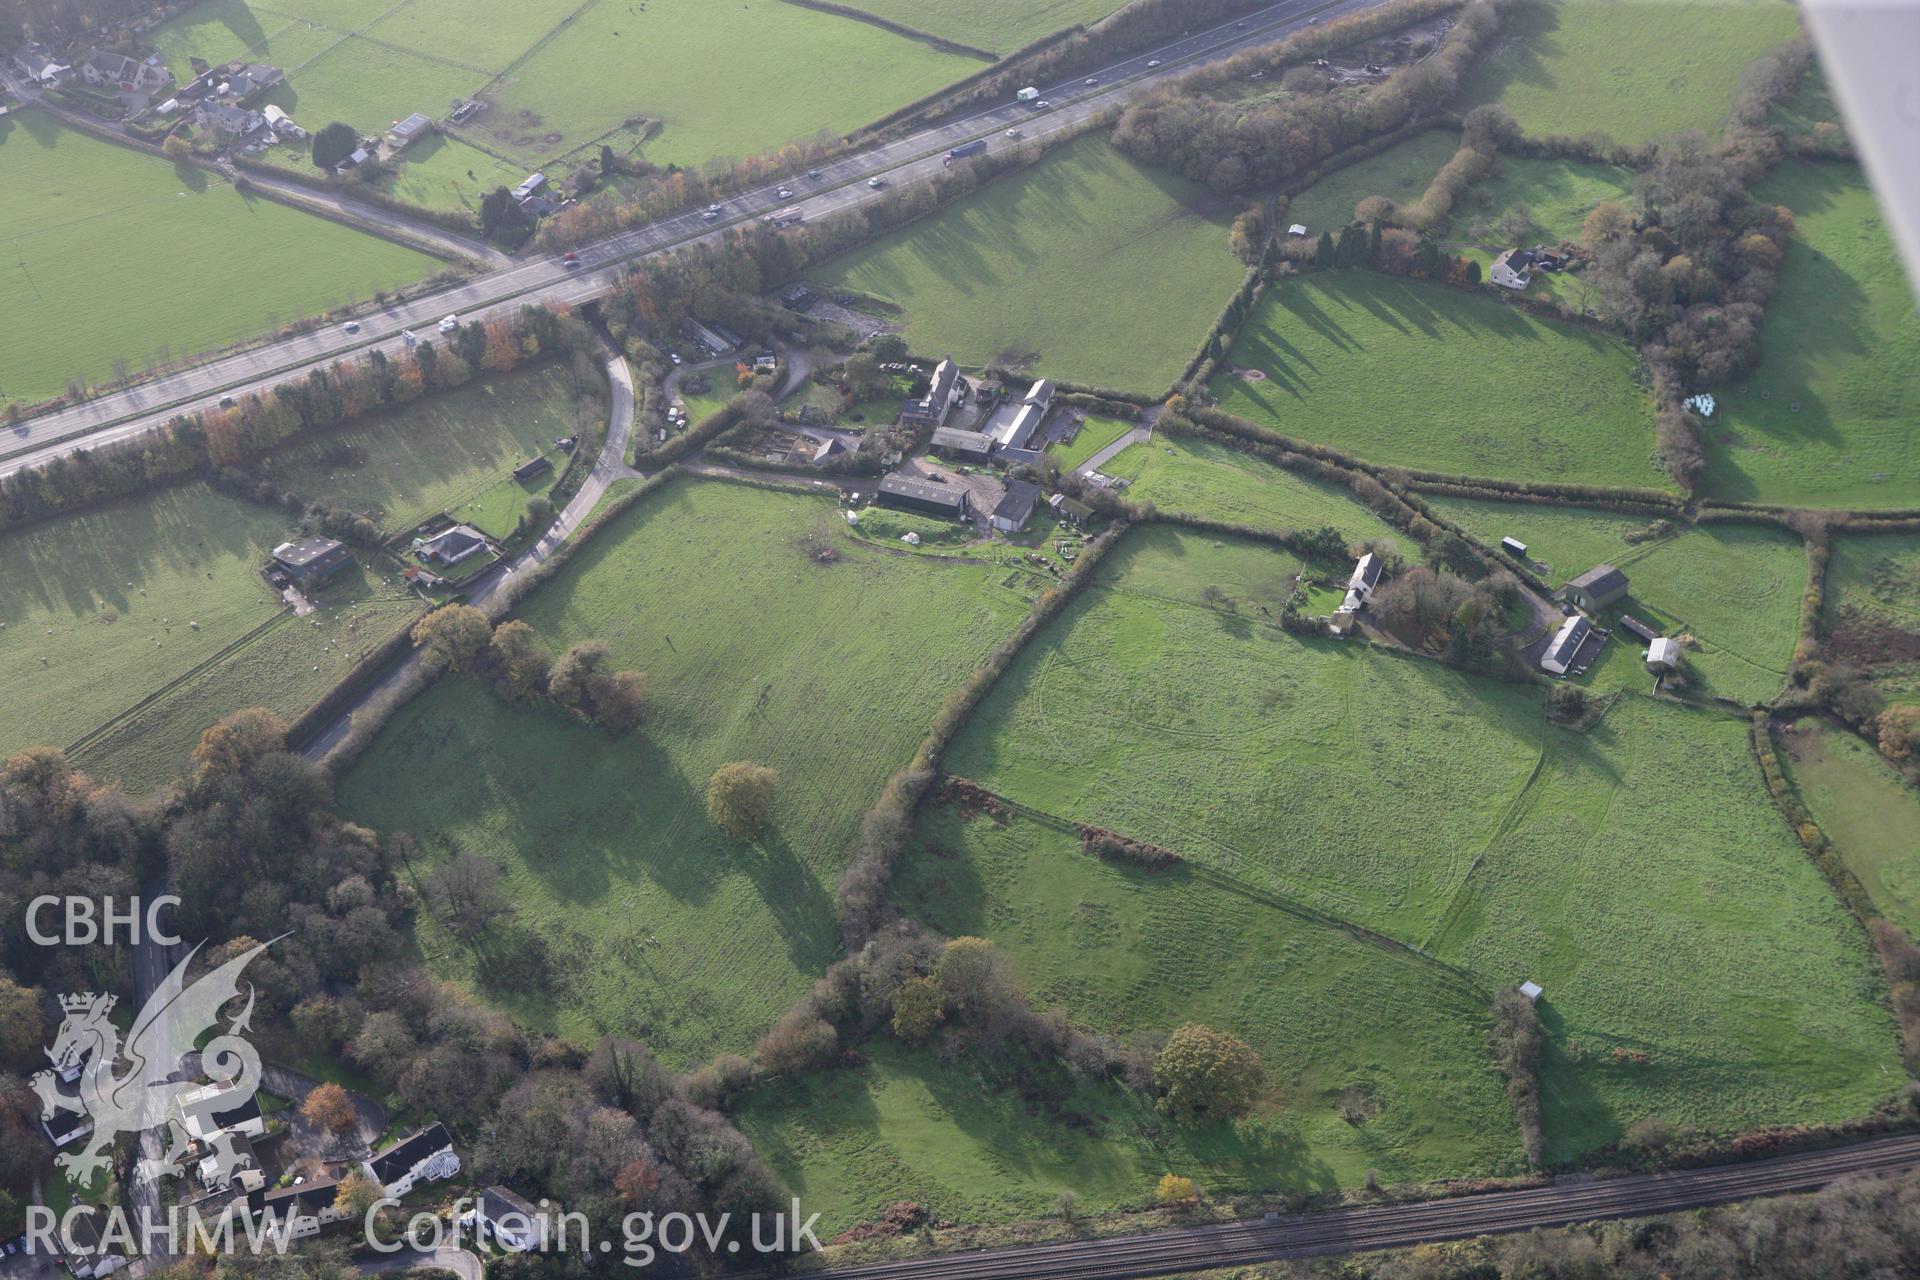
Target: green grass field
x,y
112,255
1129,952
1247,751
790,73
1047,266
998,26
1648,883
1629,68
1201,478
1400,173
646,919
1409,373
100,637
1095,434
1873,609
1734,587
1870,814
1554,194
1827,418
446,452
1638,871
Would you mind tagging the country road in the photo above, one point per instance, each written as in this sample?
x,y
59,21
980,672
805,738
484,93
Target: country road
x,y
329,204
609,466
843,185
1397,1226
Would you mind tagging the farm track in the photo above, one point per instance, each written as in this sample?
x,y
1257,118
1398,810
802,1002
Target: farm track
x,y
1398,1226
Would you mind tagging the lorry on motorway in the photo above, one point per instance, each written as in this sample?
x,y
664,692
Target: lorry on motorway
x,y
1027,94
966,149
791,216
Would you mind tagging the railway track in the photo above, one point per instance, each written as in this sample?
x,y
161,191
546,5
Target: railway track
x,y
1396,1226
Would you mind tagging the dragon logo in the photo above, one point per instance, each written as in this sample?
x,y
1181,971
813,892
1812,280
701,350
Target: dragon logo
x,y
150,1091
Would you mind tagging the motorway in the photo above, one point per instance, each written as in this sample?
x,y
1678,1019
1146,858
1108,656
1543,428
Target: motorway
x,y
1399,1226
842,185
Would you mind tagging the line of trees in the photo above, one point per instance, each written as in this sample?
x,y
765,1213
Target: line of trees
x,y
460,639
202,444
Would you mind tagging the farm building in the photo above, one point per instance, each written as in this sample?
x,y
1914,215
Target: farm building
x,y
408,132
1566,645
1016,507
1019,425
910,493
450,546
1663,655
1598,587
1514,547
533,467
831,448
311,559
938,402
1638,629
1513,269
962,446
1071,510
528,188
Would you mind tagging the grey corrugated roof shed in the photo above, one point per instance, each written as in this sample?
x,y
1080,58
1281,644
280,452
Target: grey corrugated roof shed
x,y
1600,580
1018,503
303,552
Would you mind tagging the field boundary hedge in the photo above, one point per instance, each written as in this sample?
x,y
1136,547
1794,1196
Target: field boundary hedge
x,y
941,43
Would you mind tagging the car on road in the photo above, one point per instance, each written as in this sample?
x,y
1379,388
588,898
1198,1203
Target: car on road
x,y
708,215
1091,80
1013,133
449,323
876,182
786,193
570,259
226,402
1042,105
351,326
1153,62
813,173
713,208
674,356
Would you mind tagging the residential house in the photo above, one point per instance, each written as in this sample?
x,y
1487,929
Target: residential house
x,y
910,493
106,69
1016,506
1360,587
217,1108
942,390
1565,648
300,1210
87,1256
407,132
239,81
425,1155
1513,269
311,560
450,546
229,121
510,1221
1663,655
38,64
1597,588
63,1127
962,446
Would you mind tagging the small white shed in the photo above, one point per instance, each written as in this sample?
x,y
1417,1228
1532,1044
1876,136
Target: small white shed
x,y
1531,990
